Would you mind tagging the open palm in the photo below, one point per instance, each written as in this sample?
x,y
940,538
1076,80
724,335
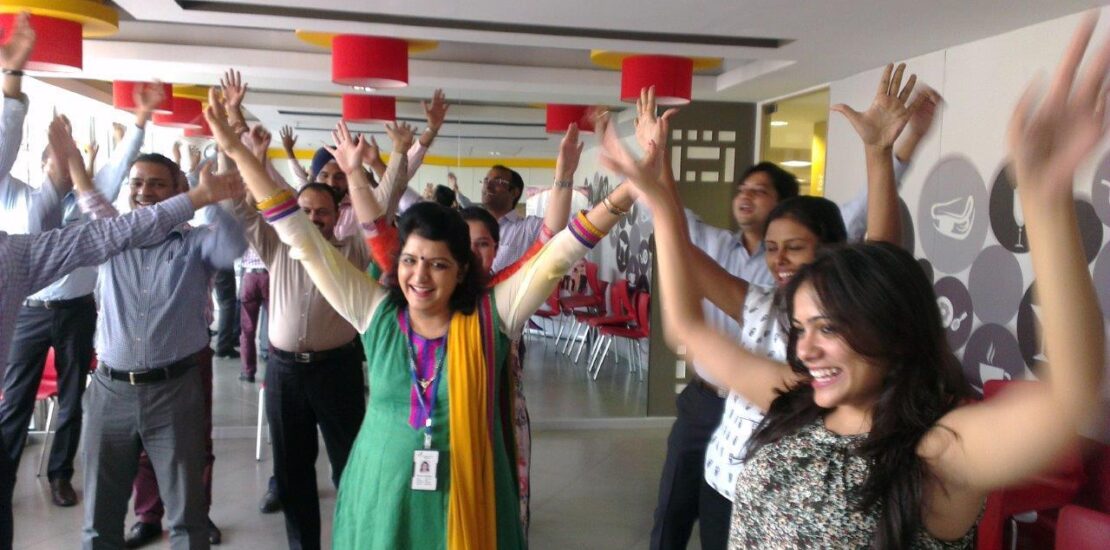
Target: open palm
x,y
882,122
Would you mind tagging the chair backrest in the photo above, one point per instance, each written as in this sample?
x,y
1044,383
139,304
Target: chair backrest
x,y
49,371
1080,528
643,311
620,303
593,280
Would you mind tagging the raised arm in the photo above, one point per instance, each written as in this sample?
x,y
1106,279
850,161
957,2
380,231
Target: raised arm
x,y
13,57
557,208
368,202
1003,441
879,127
352,293
289,143
686,330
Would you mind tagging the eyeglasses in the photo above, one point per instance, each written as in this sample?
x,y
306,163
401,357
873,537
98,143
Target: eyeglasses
x,y
498,182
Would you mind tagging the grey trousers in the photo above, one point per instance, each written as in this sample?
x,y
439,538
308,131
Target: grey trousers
x,y
164,418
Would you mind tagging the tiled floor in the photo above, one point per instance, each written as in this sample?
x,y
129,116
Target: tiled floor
x,y
592,488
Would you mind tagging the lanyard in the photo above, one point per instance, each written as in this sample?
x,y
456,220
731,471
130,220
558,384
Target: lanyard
x,y
427,406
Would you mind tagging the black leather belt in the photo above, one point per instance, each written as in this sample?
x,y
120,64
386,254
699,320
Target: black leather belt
x,y
719,392
60,304
254,270
315,356
149,376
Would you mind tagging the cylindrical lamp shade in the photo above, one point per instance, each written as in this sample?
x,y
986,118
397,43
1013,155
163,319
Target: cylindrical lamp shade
x,y
123,96
205,131
186,114
672,77
58,46
559,117
369,108
369,61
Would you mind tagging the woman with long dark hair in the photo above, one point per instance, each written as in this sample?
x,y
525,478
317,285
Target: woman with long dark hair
x,y
864,443
430,466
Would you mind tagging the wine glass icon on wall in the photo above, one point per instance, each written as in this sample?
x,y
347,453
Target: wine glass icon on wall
x,y
1019,219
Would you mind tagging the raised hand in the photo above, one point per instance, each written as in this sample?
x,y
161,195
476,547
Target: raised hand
x,y
214,187
117,132
923,111
648,126
646,173
92,150
234,90
435,113
288,140
453,181
194,157
429,191
65,158
176,152
570,151
1048,139
260,139
149,96
882,122
401,134
216,116
14,54
348,150
372,155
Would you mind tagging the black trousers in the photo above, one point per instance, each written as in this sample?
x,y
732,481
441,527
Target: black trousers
x,y
300,396
714,518
227,300
699,413
70,331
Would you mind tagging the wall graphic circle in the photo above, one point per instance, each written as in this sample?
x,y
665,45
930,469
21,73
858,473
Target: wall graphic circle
x,y
956,310
992,354
1102,280
1100,191
996,285
952,215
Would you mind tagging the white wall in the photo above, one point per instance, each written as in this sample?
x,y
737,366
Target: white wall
x,y
980,82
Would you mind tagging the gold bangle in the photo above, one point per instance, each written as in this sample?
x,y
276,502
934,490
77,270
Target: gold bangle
x,y
612,208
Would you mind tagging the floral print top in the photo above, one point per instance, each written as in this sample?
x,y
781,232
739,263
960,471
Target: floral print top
x,y
801,492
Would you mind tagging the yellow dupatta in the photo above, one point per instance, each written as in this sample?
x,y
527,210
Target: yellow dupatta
x,y
472,503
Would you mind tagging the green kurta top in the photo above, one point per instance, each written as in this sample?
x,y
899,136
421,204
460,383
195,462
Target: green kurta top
x,y
377,507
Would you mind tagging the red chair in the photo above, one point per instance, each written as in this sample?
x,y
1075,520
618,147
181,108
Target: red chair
x,y
634,332
549,311
48,391
593,302
1023,503
1081,528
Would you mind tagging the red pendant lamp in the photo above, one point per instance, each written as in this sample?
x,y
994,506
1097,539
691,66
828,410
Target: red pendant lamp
x,y
559,117
369,61
187,113
58,45
123,96
672,77
205,131
372,109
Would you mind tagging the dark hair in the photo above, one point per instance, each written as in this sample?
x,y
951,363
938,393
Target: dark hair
x,y
479,214
444,195
322,188
879,301
516,181
818,214
435,222
154,158
786,185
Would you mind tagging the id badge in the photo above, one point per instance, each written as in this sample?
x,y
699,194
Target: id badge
x,y
424,470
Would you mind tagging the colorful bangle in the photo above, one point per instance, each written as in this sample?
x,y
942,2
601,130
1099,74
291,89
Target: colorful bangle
x,y
277,198
584,231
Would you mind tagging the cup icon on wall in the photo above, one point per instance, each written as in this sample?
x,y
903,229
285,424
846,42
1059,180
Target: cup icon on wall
x,y
954,218
987,371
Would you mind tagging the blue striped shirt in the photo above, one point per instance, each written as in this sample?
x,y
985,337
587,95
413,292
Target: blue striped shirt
x,y
30,262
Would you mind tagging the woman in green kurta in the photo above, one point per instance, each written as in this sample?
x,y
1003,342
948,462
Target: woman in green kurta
x,y
435,292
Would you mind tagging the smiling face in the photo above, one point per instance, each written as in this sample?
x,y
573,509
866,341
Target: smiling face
x,y
790,245
841,378
427,275
497,191
754,200
482,244
151,183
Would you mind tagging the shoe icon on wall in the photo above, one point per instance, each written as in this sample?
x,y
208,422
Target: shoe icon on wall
x,y
954,218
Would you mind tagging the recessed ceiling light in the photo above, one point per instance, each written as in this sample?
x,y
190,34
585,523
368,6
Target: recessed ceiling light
x,y
495,153
779,123
796,163
366,89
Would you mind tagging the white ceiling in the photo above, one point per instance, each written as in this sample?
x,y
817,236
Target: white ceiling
x,y
495,53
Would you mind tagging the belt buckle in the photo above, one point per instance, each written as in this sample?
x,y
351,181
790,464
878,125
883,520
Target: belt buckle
x,y
131,378
303,357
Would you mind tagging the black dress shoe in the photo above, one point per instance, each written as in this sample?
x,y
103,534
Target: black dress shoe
x,y
142,534
62,493
246,378
228,353
214,535
270,503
